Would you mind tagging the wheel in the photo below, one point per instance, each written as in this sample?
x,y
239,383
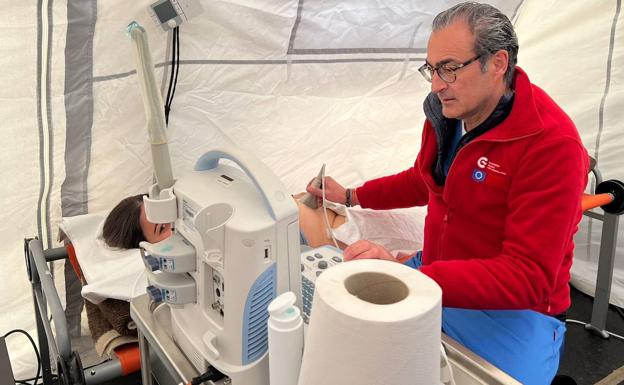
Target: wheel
x,y
70,372
615,188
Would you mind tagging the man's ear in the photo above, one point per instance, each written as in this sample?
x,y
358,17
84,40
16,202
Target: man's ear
x,y
500,63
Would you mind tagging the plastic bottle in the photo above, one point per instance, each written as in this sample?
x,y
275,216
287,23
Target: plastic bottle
x,y
285,340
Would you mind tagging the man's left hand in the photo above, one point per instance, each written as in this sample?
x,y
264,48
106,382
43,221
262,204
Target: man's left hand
x,y
367,250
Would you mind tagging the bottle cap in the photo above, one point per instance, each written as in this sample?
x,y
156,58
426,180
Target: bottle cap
x,y
283,310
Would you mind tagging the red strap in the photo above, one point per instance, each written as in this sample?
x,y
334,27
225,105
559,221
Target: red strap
x,y
71,252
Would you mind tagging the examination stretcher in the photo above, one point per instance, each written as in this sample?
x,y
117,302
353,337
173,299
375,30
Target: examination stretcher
x,y
54,341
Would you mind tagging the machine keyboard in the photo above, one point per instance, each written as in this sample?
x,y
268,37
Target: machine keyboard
x,y
313,263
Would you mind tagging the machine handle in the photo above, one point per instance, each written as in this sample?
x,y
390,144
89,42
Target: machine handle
x,y
153,106
590,201
273,190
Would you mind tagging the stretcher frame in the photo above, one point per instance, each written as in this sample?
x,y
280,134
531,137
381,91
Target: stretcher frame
x,y
55,344
606,259
171,367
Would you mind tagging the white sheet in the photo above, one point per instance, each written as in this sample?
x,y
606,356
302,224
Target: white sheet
x,y
397,230
110,273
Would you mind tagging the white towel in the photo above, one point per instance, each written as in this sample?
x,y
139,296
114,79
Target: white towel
x,y
399,230
110,272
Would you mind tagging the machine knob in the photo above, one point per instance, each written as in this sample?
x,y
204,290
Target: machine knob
x,y
153,264
154,293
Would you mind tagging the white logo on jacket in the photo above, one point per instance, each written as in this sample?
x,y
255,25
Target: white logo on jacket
x,y
485,163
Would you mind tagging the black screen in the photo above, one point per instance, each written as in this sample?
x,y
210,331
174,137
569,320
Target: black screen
x,y
165,11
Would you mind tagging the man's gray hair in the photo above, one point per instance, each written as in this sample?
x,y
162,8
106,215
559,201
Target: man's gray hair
x,y
492,30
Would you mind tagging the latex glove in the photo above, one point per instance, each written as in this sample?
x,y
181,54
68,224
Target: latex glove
x,y
367,250
334,191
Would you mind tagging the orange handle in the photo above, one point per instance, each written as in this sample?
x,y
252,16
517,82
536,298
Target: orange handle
x,y
592,201
129,357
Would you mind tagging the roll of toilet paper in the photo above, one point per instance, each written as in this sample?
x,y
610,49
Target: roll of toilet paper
x,y
373,322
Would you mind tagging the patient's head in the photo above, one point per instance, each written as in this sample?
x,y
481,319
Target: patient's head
x,y
127,225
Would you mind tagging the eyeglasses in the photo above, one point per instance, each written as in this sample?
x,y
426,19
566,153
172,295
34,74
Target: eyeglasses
x,y
446,71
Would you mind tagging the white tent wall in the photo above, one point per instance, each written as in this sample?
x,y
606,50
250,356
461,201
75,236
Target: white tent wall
x,y
296,83
580,64
31,158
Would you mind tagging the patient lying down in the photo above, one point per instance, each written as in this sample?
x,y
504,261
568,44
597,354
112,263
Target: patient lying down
x,y
127,225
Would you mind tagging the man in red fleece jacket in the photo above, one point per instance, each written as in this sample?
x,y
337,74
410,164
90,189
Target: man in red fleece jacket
x,y
502,170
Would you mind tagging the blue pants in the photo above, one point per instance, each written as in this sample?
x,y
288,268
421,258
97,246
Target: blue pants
x,y
522,343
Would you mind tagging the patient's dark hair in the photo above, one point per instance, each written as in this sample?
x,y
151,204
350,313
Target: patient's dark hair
x,y
122,227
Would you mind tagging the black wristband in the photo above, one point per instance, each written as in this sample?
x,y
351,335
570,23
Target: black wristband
x,y
348,202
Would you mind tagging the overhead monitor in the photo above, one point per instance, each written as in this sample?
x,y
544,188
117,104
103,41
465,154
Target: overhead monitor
x,y
171,13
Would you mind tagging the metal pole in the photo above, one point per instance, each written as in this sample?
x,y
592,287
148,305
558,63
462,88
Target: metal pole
x,y
604,278
51,298
44,352
146,370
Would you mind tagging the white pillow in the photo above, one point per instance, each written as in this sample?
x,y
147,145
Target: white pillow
x,y
110,272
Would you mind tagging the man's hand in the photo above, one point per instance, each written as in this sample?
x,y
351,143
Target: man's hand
x,y
367,250
334,191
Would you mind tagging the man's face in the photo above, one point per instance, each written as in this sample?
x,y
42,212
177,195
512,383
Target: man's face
x,y
153,232
469,97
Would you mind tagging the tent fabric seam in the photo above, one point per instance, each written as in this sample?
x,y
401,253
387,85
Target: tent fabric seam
x,y
78,97
46,171
618,7
343,51
325,51
103,78
39,114
514,16
608,78
293,32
